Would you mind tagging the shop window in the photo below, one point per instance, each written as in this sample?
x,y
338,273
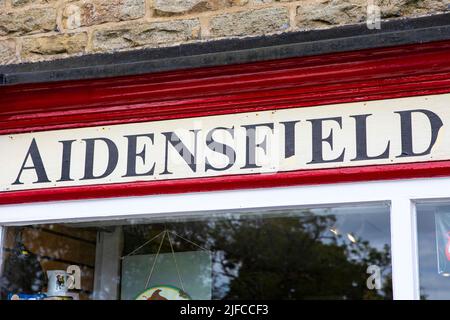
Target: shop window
x,y
433,223
318,253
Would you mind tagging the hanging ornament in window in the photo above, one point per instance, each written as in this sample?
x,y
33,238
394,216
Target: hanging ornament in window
x,y
164,291
442,220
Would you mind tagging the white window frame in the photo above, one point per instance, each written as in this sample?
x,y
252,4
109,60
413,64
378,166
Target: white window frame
x,y
400,194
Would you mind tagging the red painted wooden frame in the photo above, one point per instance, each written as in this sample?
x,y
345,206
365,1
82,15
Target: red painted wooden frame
x,y
365,75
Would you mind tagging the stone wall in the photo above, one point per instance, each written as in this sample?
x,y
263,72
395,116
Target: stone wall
x,y
36,30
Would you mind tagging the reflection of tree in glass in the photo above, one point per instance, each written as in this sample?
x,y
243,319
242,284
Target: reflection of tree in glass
x,y
295,257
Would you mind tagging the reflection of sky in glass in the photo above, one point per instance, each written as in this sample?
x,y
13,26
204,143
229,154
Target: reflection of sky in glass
x,y
369,223
432,285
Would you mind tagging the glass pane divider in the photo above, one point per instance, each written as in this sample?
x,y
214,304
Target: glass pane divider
x,y
404,250
2,243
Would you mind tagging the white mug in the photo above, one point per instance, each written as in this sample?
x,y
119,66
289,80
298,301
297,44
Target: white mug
x,y
57,283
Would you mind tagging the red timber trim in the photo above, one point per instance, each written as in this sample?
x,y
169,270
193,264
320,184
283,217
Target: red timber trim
x,y
364,75
251,181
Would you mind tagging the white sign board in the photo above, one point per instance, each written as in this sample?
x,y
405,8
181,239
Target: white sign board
x,y
405,130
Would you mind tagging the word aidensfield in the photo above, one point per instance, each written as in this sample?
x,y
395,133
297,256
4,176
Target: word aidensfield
x,y
311,138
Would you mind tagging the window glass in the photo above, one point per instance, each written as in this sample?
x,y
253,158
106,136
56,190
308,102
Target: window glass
x,y
433,223
318,253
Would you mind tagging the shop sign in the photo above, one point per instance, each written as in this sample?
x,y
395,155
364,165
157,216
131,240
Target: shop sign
x,y
384,132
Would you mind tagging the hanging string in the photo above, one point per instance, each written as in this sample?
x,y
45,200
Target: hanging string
x,y
164,233
156,258
175,260
143,245
177,235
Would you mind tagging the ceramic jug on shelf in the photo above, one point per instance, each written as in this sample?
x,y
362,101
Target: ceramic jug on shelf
x,y
57,283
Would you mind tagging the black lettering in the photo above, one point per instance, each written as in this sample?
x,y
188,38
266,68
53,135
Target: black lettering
x,y
220,148
361,140
251,145
406,129
133,155
189,157
66,158
38,165
318,140
289,138
113,156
